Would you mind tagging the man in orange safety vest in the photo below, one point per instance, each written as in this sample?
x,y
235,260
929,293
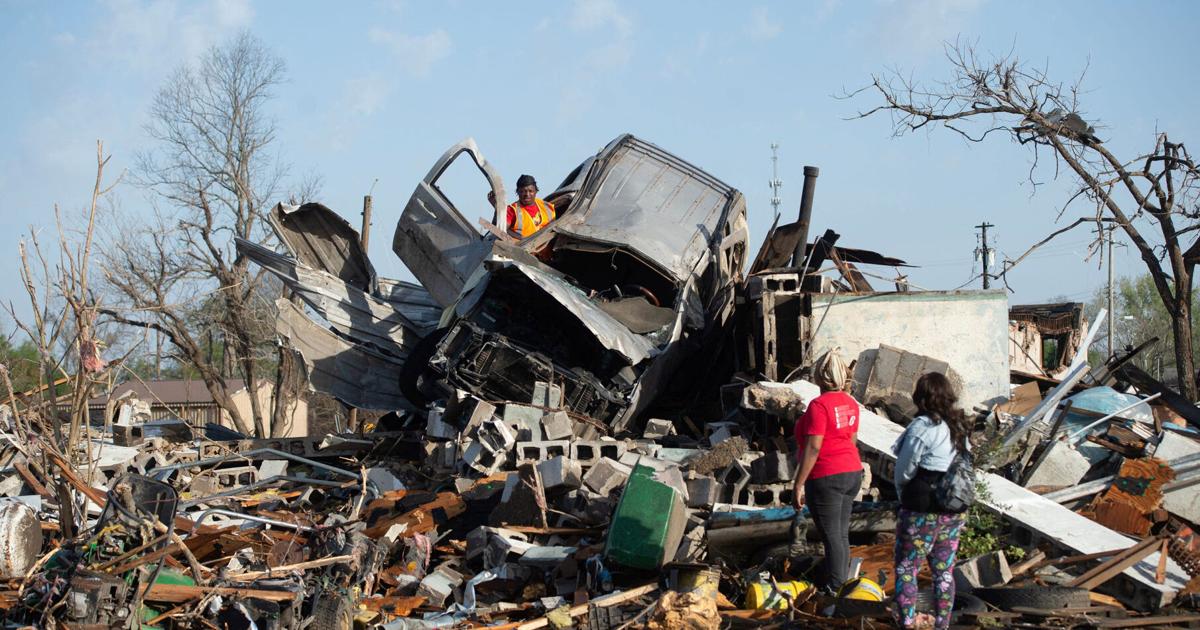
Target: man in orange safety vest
x,y
528,214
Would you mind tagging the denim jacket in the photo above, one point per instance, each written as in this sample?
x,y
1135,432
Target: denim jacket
x,y
922,445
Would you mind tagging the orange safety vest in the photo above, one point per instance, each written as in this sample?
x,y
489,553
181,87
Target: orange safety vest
x,y
526,225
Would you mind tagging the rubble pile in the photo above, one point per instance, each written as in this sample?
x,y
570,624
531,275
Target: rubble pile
x,y
592,428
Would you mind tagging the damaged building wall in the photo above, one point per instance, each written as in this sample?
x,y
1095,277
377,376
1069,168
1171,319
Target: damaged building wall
x,y
967,329
1043,337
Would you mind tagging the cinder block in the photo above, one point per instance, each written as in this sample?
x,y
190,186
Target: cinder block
x,y
523,501
541,451
547,395
703,492
765,495
772,467
437,428
606,475
587,506
480,458
438,586
496,435
720,431
442,456
590,452
983,572
557,426
657,429
474,413
734,479
560,473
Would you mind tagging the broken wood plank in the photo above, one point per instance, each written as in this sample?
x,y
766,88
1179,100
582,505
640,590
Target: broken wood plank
x,y
1141,622
396,606
1109,569
579,610
34,483
1023,567
299,566
1160,574
423,518
179,593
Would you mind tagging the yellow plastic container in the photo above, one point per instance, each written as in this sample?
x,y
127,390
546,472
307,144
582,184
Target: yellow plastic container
x,y
862,589
764,595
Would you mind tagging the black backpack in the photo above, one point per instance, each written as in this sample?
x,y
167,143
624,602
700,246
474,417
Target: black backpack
x,y
954,492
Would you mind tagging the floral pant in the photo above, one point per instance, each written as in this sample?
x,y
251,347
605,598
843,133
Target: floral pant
x,y
926,536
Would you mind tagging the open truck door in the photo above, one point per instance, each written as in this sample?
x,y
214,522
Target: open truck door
x,y
438,245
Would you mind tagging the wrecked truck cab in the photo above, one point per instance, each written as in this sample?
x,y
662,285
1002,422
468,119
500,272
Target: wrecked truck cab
x,y
606,301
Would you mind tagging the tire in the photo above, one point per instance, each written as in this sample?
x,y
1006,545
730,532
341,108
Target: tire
x,y
1044,597
332,611
926,602
416,364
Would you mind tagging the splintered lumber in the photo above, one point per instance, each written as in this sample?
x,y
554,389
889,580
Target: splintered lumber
x,y
396,606
179,593
423,518
580,610
299,566
1109,569
1141,622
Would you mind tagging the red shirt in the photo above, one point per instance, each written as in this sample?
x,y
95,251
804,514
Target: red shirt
x,y
531,210
834,415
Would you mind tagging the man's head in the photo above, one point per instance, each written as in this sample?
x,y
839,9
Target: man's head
x,y
526,189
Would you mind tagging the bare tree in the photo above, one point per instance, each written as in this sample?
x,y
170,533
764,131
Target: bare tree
x,y
213,173
1152,197
62,326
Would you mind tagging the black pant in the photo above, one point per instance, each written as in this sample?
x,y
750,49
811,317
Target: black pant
x,y
829,500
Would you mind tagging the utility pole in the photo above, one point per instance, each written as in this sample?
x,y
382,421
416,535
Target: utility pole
x,y
776,183
985,254
1112,312
365,237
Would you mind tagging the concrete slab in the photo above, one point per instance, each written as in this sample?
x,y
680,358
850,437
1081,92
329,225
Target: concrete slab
x,y
1062,466
1184,501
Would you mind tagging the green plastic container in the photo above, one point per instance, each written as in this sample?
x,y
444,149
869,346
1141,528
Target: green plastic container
x,y
648,524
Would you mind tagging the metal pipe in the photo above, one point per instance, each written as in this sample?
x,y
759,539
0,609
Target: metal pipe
x,y
1078,435
258,484
249,517
805,218
248,455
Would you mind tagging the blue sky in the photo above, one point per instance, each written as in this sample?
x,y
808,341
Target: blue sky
x,y
377,90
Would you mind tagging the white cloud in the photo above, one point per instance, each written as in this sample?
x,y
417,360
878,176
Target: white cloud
x,y
64,39
158,34
416,54
920,27
590,15
762,27
598,15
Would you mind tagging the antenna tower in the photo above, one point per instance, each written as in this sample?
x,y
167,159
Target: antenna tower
x,y
776,183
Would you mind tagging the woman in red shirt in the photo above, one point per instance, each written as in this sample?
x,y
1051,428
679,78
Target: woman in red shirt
x,y
830,471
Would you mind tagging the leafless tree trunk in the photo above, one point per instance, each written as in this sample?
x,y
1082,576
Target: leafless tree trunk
x,y
65,310
213,172
1152,197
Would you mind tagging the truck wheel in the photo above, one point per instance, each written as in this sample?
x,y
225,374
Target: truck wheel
x,y
332,611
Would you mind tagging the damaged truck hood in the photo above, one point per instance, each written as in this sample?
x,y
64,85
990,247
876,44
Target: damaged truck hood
x,y
611,333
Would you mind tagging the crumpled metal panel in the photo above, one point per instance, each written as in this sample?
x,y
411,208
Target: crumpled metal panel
x,y
609,332
393,326
354,374
323,240
651,202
